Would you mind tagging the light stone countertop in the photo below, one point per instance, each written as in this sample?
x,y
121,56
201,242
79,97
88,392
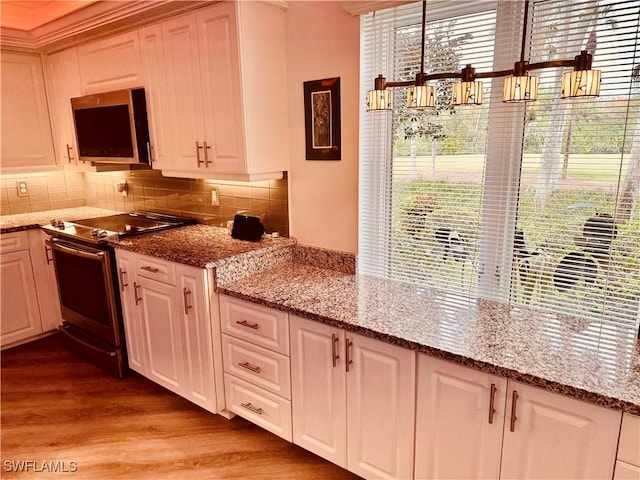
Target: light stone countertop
x,y
526,345
28,221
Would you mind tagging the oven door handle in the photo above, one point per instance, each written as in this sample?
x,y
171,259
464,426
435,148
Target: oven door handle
x,y
88,345
74,251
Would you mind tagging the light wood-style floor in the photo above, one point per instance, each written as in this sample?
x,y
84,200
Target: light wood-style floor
x,y
58,408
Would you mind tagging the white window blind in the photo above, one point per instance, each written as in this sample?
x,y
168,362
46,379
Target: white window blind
x,y
533,205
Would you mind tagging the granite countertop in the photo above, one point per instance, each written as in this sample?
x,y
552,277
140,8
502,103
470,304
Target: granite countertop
x,y
27,221
203,246
567,356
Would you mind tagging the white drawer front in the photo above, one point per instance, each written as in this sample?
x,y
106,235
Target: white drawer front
x,y
259,325
271,412
14,241
629,447
263,368
626,471
156,269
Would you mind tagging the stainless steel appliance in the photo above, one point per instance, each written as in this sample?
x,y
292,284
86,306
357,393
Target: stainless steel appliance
x,y
111,128
85,268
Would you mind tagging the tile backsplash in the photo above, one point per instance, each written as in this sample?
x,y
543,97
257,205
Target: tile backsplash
x,y
148,190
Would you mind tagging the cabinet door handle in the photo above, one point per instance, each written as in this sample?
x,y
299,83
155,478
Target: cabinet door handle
x,y
123,283
198,148
46,255
251,408
206,154
347,350
69,157
248,366
492,402
135,293
248,324
150,154
185,296
150,269
334,348
514,402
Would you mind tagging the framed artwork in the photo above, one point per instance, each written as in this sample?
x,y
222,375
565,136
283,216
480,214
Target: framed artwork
x,y
322,119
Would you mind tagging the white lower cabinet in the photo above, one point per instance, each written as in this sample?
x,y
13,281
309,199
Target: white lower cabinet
x,y
459,420
473,425
628,462
257,368
29,297
168,326
353,399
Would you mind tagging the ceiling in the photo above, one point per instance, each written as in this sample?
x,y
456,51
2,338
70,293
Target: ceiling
x,y
27,15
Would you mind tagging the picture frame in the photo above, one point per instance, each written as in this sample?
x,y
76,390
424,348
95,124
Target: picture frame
x,y
322,119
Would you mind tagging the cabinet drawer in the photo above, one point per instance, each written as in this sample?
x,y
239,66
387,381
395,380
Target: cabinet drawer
x,y
259,325
156,269
626,471
13,242
629,446
261,367
271,412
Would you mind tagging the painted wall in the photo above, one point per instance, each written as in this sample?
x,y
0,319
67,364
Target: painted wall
x,y
323,41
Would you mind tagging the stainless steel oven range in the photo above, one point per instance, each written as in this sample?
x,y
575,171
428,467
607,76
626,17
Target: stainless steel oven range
x,y
87,284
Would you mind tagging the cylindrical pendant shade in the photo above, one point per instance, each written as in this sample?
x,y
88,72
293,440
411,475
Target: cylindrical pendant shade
x,y
421,96
580,84
520,89
467,93
378,100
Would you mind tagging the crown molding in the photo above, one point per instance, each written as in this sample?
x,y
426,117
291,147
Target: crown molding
x,y
359,7
94,21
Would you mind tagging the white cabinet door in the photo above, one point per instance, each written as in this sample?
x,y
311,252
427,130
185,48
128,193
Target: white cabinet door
x,y
380,408
181,60
158,112
160,313
46,282
318,394
547,435
19,314
221,89
26,131
133,328
459,420
110,64
63,75
196,337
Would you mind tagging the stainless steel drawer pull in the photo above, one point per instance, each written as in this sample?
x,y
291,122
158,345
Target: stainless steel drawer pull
x,y
251,408
347,347
123,283
334,349
514,403
135,293
46,255
150,269
150,153
185,296
248,366
492,402
246,323
198,148
69,157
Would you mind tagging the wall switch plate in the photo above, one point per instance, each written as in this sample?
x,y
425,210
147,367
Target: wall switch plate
x,y
22,188
215,198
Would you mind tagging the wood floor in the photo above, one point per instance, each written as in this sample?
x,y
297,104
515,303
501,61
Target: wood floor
x,y
60,409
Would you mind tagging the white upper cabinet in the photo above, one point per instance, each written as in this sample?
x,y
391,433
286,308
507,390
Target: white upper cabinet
x,y
26,132
222,71
110,64
63,78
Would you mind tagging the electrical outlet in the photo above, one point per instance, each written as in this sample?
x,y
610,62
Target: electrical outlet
x,y
215,198
22,188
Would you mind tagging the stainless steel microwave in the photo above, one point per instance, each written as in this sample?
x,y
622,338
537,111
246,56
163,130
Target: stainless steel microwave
x,y
112,127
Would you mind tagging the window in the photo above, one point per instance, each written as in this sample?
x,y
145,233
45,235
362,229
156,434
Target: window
x,y
534,205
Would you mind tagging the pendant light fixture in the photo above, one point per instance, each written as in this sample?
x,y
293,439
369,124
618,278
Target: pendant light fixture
x,y
519,85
